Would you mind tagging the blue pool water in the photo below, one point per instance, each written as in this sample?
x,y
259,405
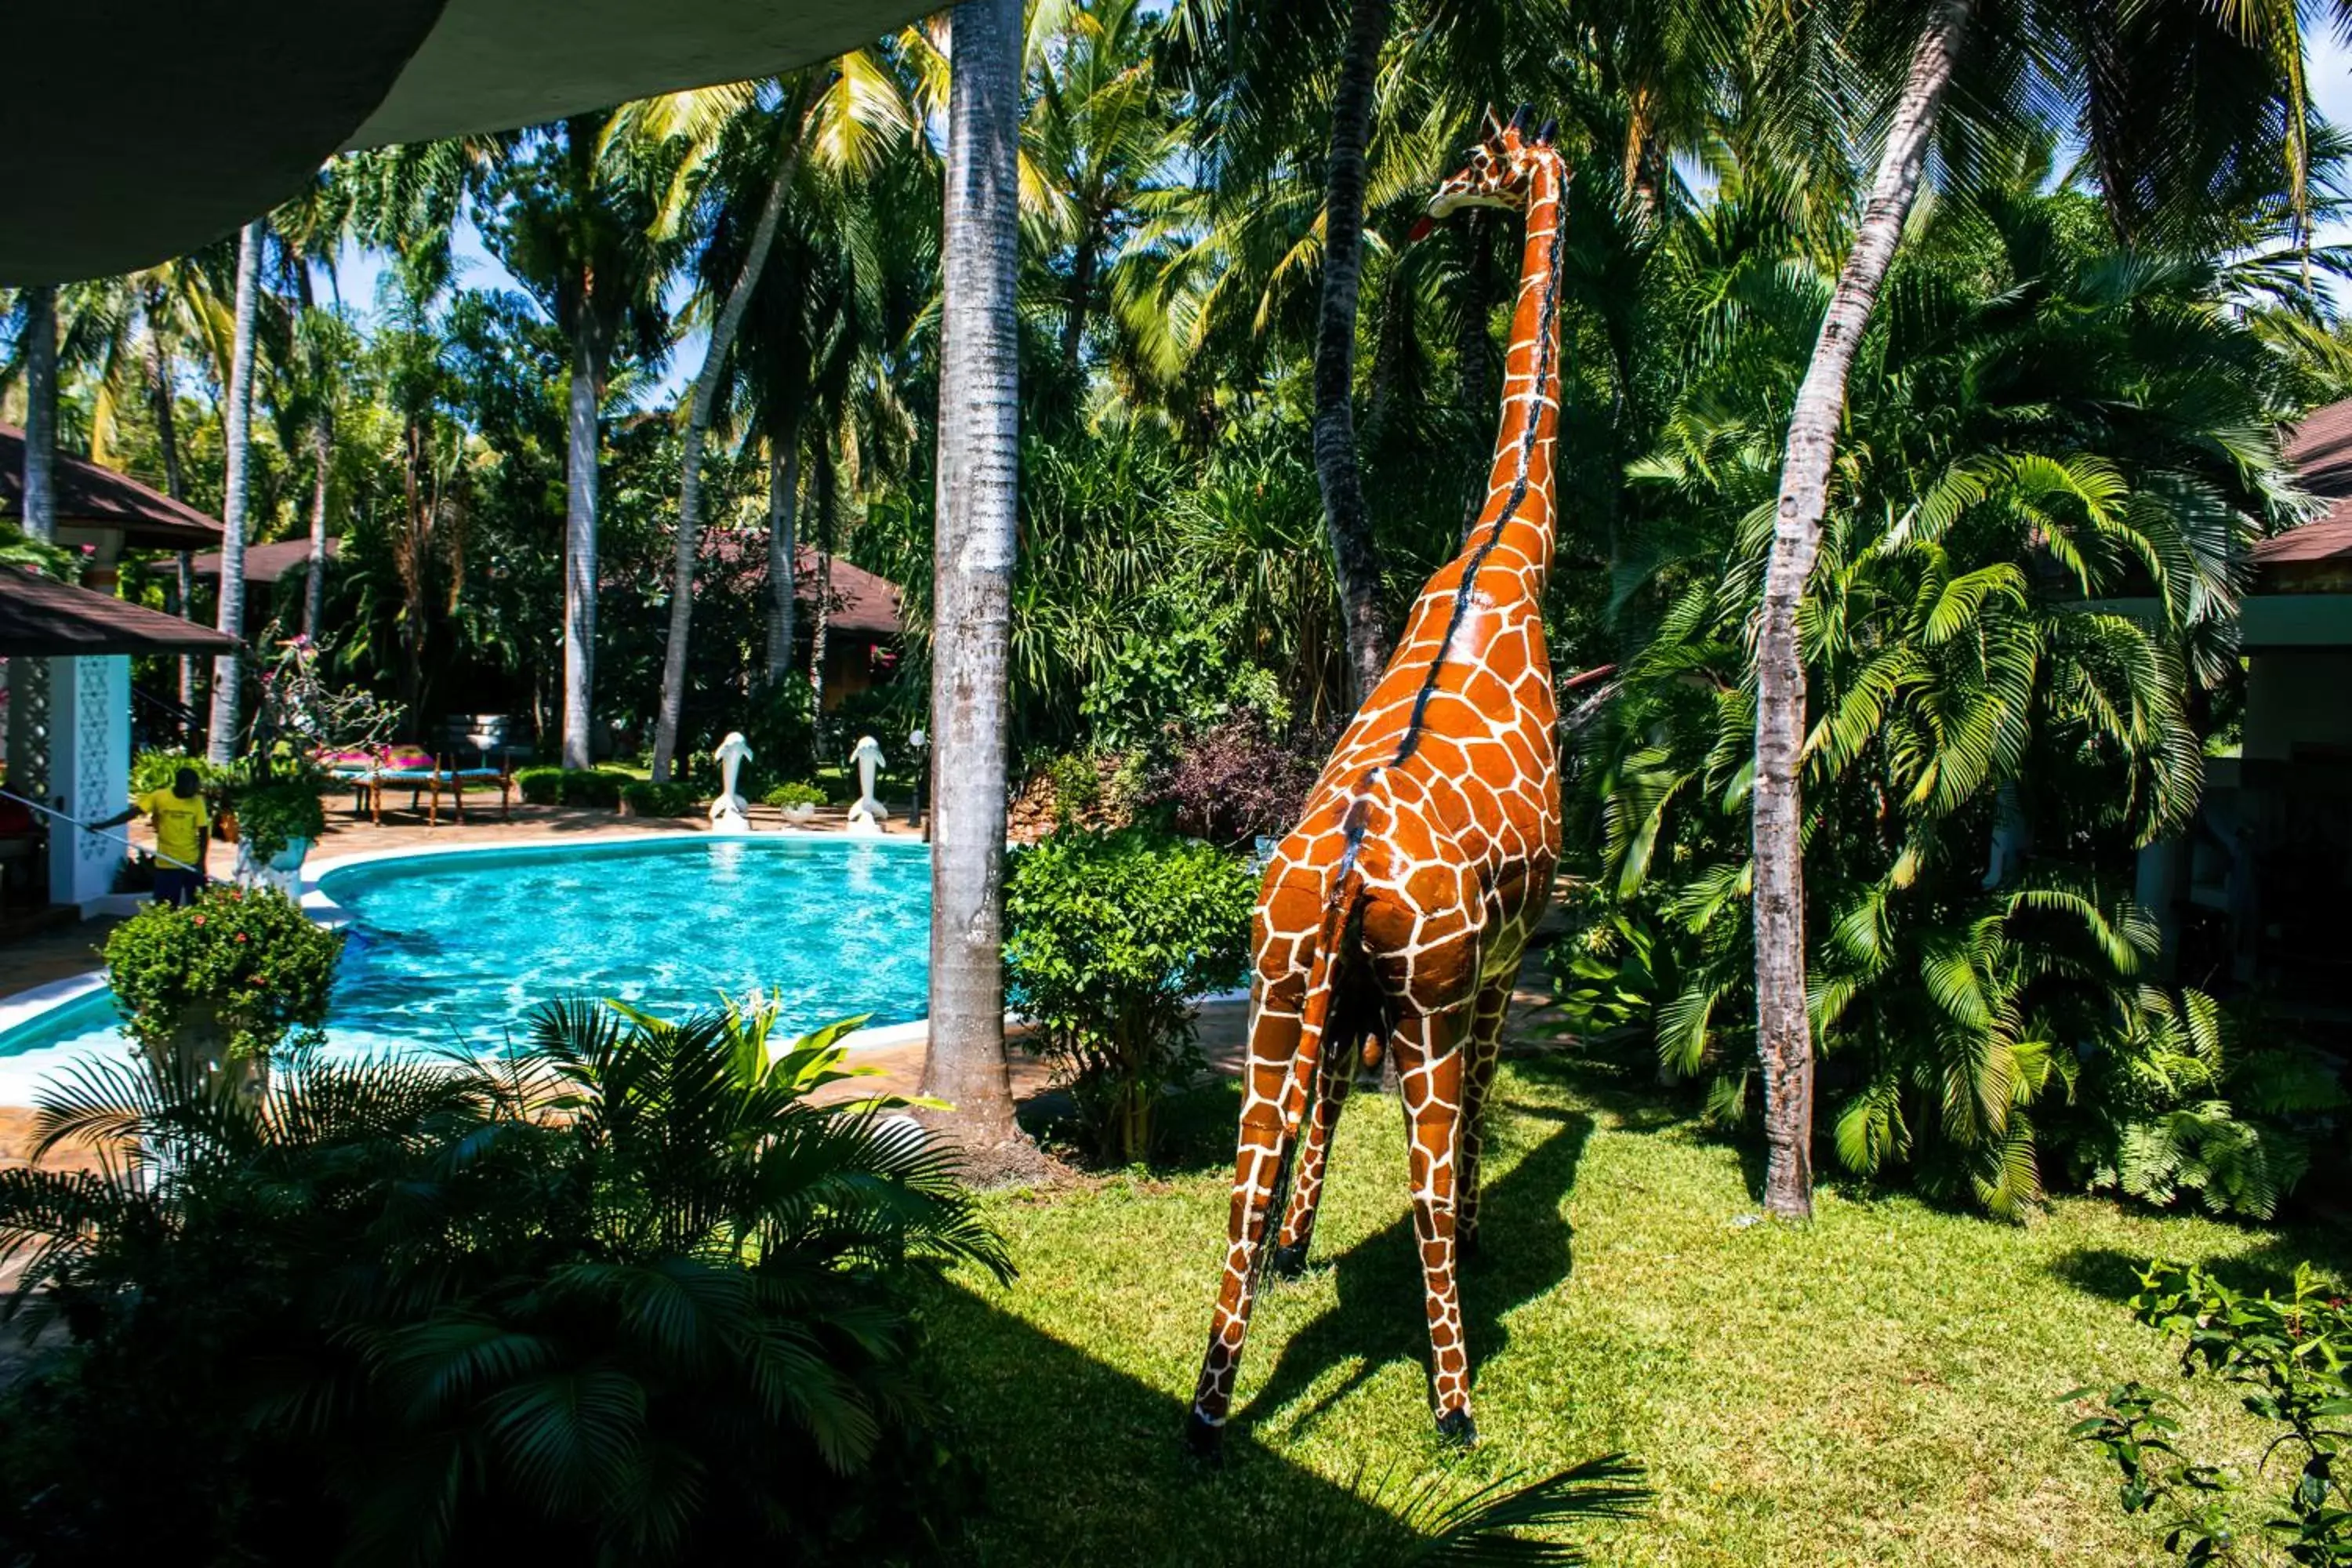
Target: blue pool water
x,y
455,949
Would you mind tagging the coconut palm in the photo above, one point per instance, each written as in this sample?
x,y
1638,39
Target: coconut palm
x,y
978,459
2014,55
846,119
576,220
237,441
2055,423
38,349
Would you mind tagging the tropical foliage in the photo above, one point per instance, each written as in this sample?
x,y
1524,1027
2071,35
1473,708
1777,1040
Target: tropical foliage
x,y
1110,940
2292,1355
2018,635
627,1294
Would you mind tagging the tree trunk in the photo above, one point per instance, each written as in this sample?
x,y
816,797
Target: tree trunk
x,y
978,465
238,438
40,353
824,626
175,484
1355,565
783,549
314,585
1473,349
1784,1033
1073,321
698,427
580,547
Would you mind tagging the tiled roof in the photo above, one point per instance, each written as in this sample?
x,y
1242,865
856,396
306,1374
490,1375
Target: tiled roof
x,y
40,615
2321,451
862,601
88,496
267,562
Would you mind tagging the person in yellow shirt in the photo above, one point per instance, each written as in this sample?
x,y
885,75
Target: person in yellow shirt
x,y
182,829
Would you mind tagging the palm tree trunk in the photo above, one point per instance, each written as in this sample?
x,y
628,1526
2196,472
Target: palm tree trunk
x,y
580,548
783,549
1783,1029
40,352
314,584
1474,349
824,626
1355,565
238,438
979,466
698,427
1081,285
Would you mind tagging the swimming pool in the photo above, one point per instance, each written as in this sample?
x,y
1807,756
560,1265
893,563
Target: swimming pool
x,y
453,949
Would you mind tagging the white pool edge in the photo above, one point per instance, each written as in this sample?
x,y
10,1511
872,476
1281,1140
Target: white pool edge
x,y
30,1006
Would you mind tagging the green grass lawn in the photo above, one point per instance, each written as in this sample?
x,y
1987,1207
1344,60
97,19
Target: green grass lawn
x,y
1879,1389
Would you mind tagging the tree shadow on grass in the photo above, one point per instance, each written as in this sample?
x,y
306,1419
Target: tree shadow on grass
x,y
1086,1464
1524,1251
2113,1274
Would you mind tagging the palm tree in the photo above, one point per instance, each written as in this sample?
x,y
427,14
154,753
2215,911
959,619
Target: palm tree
x,y
2036,60
238,440
789,139
578,223
846,120
39,352
1355,564
978,458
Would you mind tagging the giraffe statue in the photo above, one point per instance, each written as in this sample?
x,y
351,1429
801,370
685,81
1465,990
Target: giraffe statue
x,y
1400,907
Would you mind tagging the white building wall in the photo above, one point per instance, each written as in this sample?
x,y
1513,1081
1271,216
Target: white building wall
x,y
90,771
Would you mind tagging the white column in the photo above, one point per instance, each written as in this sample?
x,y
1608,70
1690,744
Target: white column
x,y
90,771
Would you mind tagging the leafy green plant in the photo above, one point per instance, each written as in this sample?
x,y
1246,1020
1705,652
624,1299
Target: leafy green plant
x,y
591,787
645,798
1387,1522
796,793
1612,976
623,1295
270,816
1111,938
2294,1360
152,770
246,958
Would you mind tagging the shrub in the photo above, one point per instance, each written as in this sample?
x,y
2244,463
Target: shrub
x,y
1236,781
153,770
789,795
1111,938
645,798
249,955
2293,1358
594,788
271,815
628,1297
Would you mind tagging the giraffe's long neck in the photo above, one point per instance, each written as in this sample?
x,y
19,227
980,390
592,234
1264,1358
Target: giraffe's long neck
x,y
1521,495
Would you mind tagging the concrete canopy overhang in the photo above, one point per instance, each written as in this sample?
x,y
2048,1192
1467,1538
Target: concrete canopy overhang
x,y
134,130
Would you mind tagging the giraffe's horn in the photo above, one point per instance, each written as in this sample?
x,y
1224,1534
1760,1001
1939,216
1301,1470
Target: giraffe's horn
x,y
1519,121
1545,132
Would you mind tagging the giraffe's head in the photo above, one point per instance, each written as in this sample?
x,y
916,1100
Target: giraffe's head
x,y
1498,171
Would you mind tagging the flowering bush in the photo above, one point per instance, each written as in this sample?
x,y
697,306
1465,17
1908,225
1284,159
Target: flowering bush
x,y
250,955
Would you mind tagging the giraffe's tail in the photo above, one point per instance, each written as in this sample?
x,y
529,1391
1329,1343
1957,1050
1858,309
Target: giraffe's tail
x,y
1322,1015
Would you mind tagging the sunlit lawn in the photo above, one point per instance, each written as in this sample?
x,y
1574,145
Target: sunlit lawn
x,y
1880,1389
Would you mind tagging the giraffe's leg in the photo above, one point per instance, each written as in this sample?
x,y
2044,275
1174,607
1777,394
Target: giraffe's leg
x,y
1297,1231
1486,1049
1282,1059
1431,1073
